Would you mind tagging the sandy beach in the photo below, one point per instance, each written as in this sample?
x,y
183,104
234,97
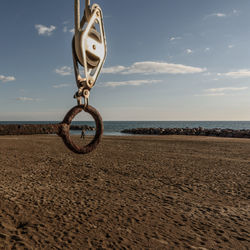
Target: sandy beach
x,y
133,192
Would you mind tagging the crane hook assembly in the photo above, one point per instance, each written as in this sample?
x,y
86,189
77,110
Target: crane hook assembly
x,y
89,48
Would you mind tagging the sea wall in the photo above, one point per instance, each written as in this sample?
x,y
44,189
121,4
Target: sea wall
x,y
231,133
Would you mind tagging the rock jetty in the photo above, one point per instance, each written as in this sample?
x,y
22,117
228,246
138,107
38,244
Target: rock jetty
x,y
217,132
28,129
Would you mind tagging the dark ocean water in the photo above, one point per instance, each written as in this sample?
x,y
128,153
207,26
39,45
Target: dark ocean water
x,y
115,127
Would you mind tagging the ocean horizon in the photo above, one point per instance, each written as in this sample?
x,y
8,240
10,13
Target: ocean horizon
x,y
115,127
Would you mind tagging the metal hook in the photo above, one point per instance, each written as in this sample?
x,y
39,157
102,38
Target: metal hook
x,y
88,47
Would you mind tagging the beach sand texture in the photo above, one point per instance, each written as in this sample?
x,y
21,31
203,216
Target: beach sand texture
x,y
145,192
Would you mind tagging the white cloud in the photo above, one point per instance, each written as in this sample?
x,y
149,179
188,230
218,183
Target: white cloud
x,y
230,46
7,78
63,85
64,71
113,70
219,14
173,38
26,99
214,90
189,51
236,12
162,68
66,29
131,83
242,73
214,94
149,67
223,15
44,30
221,91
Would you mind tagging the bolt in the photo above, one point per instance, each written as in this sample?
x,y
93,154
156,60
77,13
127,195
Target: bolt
x,y
94,47
90,82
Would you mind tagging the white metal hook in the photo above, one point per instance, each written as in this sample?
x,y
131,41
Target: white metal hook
x,y
88,46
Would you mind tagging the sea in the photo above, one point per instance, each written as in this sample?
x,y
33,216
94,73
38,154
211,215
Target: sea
x,y
114,128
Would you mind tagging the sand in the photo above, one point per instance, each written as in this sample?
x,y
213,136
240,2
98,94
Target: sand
x,y
144,192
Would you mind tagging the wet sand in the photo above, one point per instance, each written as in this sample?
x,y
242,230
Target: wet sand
x,y
146,192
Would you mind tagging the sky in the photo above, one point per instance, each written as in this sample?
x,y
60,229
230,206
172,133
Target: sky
x,y
167,60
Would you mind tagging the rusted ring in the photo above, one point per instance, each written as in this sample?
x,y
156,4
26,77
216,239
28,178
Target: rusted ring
x,y
65,127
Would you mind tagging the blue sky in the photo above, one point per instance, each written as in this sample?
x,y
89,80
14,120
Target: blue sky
x,y
167,60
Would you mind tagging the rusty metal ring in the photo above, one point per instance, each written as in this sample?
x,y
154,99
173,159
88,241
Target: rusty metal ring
x,y
65,127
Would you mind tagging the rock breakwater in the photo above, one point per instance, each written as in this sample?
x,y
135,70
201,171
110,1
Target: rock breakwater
x,y
32,129
217,132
